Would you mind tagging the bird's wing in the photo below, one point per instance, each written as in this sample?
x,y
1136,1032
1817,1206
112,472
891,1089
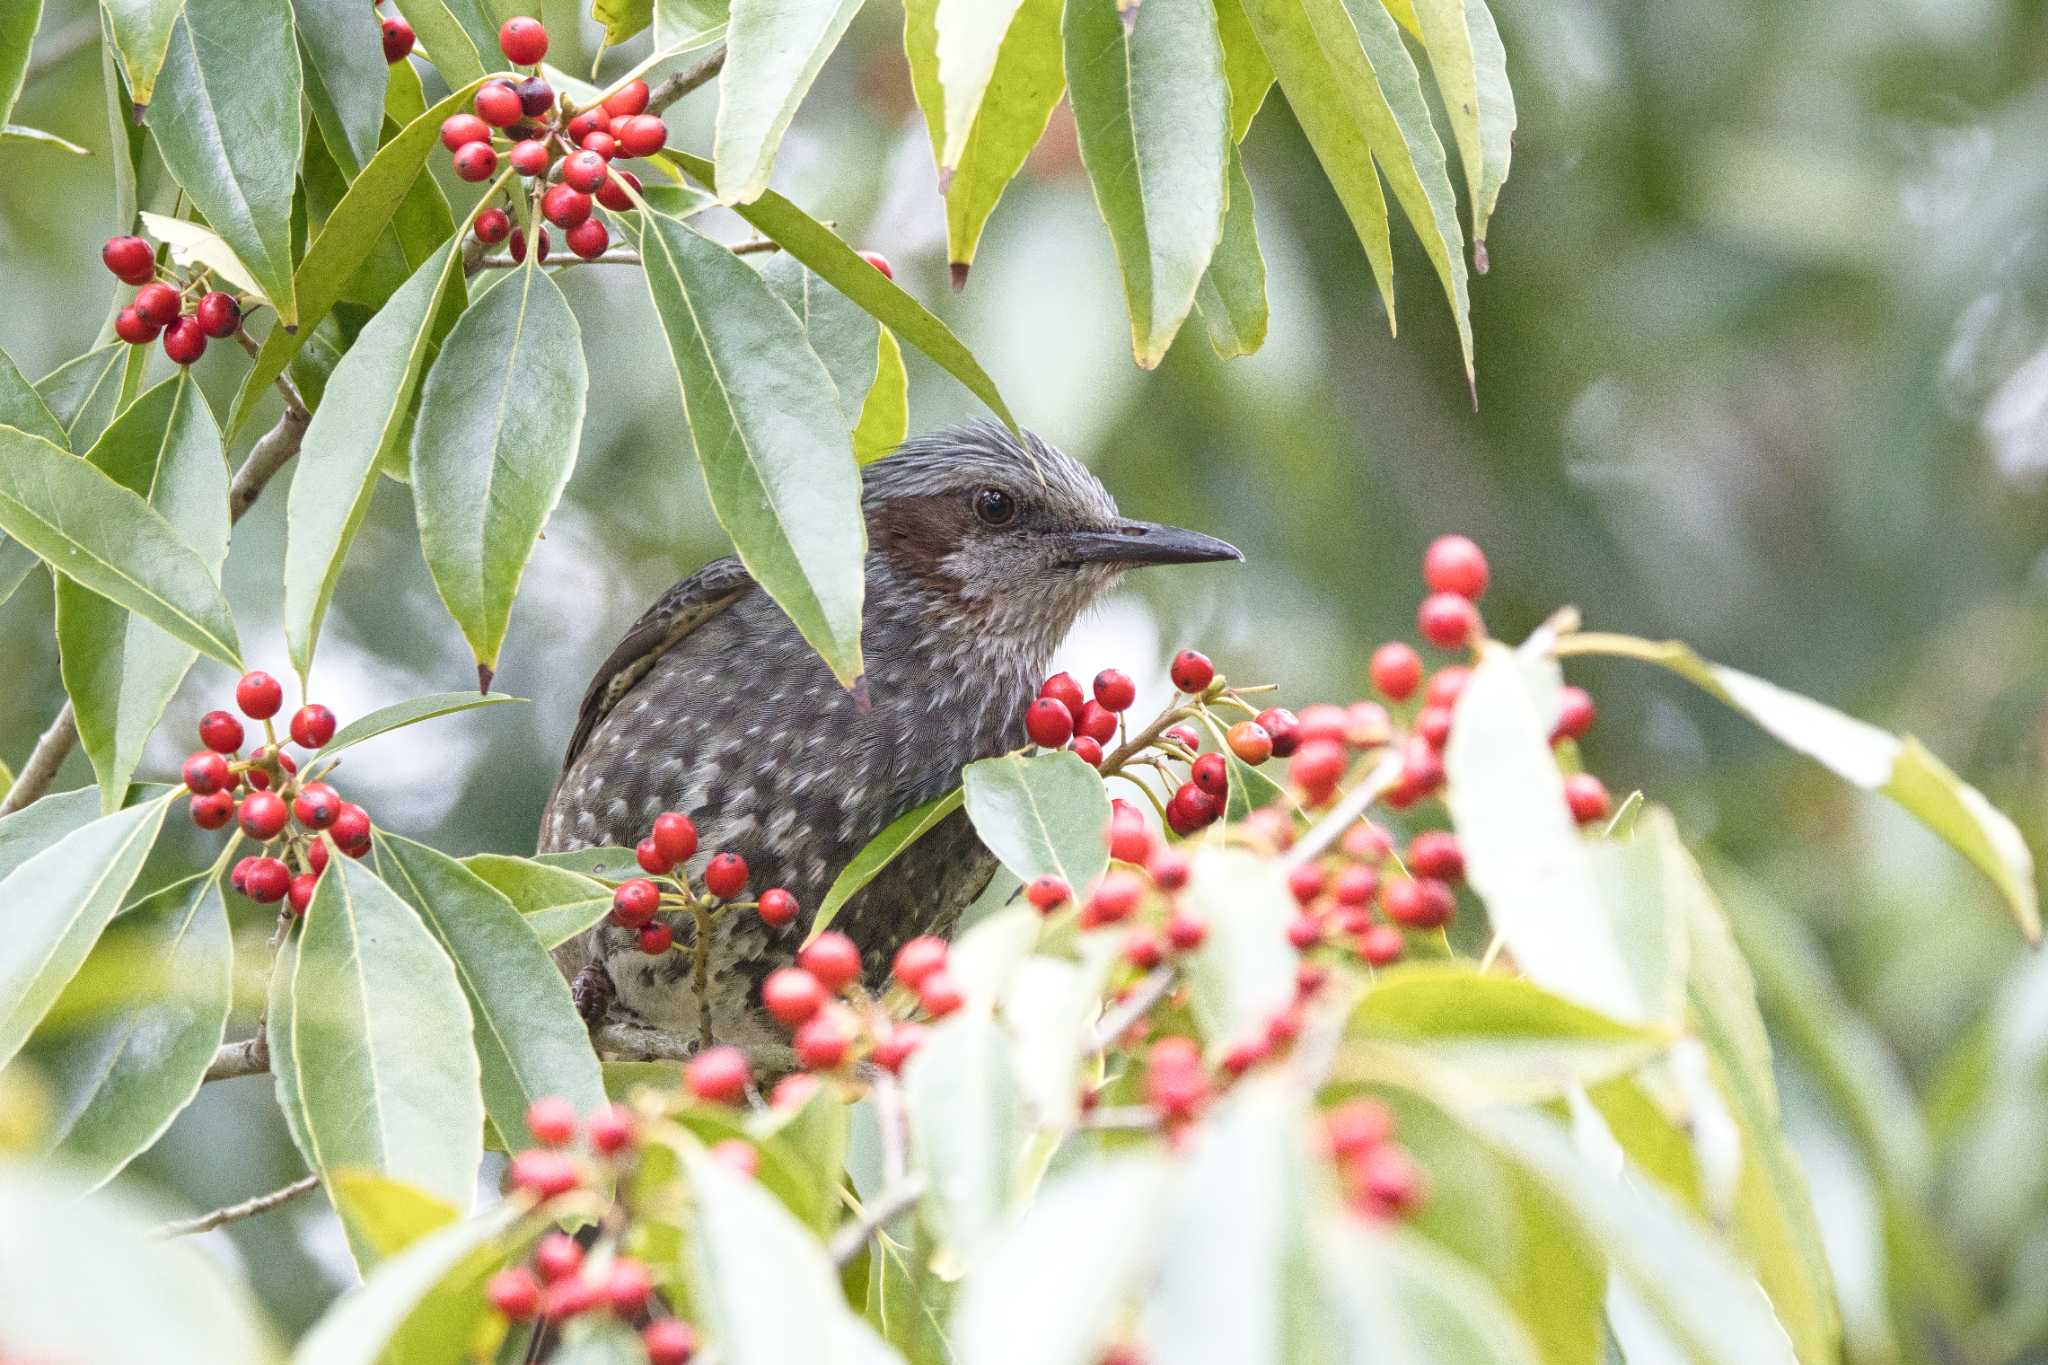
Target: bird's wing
x,y
682,609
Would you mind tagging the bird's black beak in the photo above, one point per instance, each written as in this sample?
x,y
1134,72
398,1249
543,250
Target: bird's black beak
x,y
1143,542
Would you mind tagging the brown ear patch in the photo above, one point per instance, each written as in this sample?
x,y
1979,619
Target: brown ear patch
x,y
918,533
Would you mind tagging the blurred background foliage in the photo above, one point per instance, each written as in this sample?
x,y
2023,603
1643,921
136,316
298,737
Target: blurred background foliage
x,y
1763,364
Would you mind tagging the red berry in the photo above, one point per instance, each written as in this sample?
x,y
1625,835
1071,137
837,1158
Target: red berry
x,y
628,100
513,1291
599,141
566,1299
1049,723
184,341
1185,931
558,1256
1191,671
1141,948
1185,736
648,855
498,105
879,262
1396,670
589,238
1047,893
523,41
312,726
460,130
669,1341
1130,839
793,995
1317,768
635,902
218,314
719,1075
316,856
675,836
725,876
351,830
656,938
530,158
1381,944
300,894
583,171
476,161
1096,721
1115,691
1284,730
1454,564
1113,899
1182,821
1322,721
832,958
316,805
822,1042
1355,1127
1574,713
1250,742
611,1129
1433,724
1062,688
1201,807
213,810
263,815
158,303
565,207
1389,1181
896,1047
492,226
1586,795
584,123
1434,853
641,135
259,695
613,192
552,1120
1354,884
546,1173
939,994
1445,686
1422,772
129,258
398,40
918,958
206,772
1169,869
1447,620
536,96
627,1285
266,881
1087,750
777,907
1211,774
134,328
1418,903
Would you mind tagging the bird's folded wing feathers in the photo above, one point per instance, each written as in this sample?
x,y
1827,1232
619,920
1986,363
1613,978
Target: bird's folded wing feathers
x,y
682,609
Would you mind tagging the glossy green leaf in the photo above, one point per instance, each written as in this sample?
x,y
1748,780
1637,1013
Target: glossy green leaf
x,y
556,903
86,1281
119,1078
1018,98
226,120
42,823
1231,299
1043,815
1152,115
1245,68
141,36
1243,973
530,1041
423,1305
23,408
344,242
383,1215
615,863
1400,1301
458,36
194,244
775,449
501,414
106,538
278,1013
970,36
81,392
1471,70
379,1049
899,834
17,35
346,76
398,715
967,1130
120,670
59,900
885,412
622,19
373,389
811,242
1861,754
842,333
774,49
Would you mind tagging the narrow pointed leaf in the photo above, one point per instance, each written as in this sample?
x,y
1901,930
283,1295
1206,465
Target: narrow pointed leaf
x,y
141,37
1046,814
351,433
1245,68
1471,70
121,1077
775,450
1232,296
385,1216
379,1049
885,413
81,392
899,834
774,49
278,1014
21,132
23,408
554,903
1152,114
500,417
970,37
226,119
17,35
194,244
423,1304
346,76
842,333
398,715
457,37
58,903
106,538
530,1041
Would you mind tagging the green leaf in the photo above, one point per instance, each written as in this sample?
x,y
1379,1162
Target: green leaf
x,y
120,670
615,863
1152,115
774,447
277,1015
411,712
842,334
349,436
1061,1002
1021,92
899,834
1400,1301
1047,814
81,392
176,1305
967,1130
458,37
226,119
530,1041
59,900
1243,972
22,133
378,1048
1471,71
1861,754
346,77
423,1304
141,37
622,19
196,244
811,242
1231,300
344,242
106,538
121,1077
17,36
970,36
774,49
501,413
1245,68
885,412
383,1215
556,903
23,408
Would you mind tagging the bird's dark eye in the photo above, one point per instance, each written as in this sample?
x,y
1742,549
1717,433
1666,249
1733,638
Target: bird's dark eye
x,y
995,507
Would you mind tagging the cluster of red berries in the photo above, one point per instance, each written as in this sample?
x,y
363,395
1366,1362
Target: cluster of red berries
x,y
184,312
818,998
561,1281
568,163
1380,1179
639,902
275,803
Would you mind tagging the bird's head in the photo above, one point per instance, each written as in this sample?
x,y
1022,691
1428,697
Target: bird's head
x,y
1012,537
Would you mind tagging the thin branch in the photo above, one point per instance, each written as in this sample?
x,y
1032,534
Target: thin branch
x,y
1135,1006
504,260
1346,813
235,1213
41,769
683,82
622,1041
271,454
250,1057
883,1210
